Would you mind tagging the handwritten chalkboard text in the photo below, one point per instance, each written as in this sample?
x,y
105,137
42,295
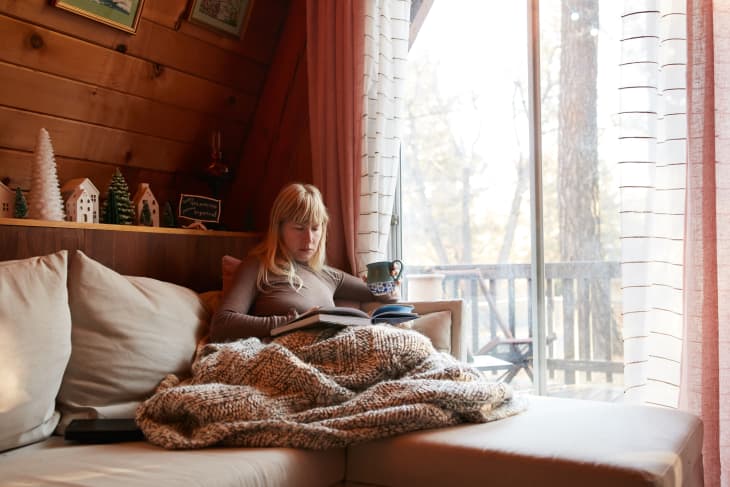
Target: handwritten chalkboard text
x,y
199,208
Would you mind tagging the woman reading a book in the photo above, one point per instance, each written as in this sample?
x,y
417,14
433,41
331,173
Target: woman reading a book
x,y
286,274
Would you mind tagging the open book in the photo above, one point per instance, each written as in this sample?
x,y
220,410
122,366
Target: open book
x,y
343,316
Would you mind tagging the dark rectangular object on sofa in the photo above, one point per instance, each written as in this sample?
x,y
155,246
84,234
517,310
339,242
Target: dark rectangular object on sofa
x,y
103,431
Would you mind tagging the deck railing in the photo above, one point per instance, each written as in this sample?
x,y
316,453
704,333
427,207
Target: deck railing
x,y
583,321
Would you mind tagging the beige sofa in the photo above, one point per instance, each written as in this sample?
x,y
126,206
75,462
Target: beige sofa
x,y
79,340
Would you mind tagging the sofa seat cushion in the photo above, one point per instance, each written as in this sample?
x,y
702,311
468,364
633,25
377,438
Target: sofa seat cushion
x,y
556,442
58,463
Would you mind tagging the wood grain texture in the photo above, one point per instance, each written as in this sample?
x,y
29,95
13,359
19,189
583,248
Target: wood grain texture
x,y
39,92
95,143
153,42
190,258
73,58
272,155
146,103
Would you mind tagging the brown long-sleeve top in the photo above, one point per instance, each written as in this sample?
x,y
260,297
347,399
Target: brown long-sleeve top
x,y
247,312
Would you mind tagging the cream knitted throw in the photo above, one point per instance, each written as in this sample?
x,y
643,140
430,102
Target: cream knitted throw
x,y
319,389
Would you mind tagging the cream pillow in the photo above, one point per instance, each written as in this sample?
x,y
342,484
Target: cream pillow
x,y
437,327
35,343
128,333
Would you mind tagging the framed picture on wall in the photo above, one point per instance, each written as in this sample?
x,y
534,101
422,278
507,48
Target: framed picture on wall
x,y
225,16
122,14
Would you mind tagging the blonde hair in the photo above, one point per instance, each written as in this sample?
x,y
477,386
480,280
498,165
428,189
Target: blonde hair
x,y
297,203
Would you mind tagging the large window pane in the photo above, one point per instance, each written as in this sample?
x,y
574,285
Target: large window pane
x,y
466,185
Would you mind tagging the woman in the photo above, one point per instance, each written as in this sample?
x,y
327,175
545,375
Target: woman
x,y
286,275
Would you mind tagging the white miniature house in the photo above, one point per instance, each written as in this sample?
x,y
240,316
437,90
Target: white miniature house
x,y
143,197
7,201
81,200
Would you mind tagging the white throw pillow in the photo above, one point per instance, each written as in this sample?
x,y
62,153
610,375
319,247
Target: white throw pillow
x,y
35,344
128,333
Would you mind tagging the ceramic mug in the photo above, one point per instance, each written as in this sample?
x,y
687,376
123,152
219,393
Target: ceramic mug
x,y
382,271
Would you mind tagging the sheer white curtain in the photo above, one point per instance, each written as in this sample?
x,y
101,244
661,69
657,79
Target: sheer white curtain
x,y
653,165
386,47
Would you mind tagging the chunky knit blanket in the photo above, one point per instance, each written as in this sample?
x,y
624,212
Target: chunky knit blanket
x,y
318,389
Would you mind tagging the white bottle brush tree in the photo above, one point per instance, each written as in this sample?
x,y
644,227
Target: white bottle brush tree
x,y
117,207
44,199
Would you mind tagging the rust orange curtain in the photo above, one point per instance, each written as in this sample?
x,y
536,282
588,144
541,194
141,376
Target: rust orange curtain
x,y
335,66
705,385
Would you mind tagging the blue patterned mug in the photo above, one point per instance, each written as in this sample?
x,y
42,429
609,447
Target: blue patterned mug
x,y
382,276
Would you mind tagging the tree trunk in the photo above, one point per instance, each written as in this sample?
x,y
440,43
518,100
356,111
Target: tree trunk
x,y
577,136
578,172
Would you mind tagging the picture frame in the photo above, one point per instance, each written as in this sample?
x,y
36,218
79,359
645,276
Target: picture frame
x,y
120,14
223,16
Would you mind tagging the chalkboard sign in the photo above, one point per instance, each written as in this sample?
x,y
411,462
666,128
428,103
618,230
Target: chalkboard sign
x,y
199,208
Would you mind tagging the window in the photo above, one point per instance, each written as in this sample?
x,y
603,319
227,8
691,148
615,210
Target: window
x,y
466,194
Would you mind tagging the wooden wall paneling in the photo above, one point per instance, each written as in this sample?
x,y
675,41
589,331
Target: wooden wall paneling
x,y
169,13
146,102
244,208
154,43
189,55
34,91
16,165
302,156
265,26
19,130
19,244
72,58
284,166
259,39
43,13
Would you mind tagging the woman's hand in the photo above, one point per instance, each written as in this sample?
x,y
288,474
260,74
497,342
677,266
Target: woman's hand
x,y
293,314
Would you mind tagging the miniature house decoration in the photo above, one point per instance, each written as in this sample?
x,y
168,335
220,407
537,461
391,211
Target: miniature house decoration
x,y
7,201
146,209
81,199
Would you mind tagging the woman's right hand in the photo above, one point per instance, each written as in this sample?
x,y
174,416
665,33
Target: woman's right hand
x,y
291,314
294,314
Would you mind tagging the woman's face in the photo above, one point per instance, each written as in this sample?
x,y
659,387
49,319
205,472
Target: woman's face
x,y
301,240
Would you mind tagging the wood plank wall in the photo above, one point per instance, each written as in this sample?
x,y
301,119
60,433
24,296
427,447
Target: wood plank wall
x,y
278,150
146,103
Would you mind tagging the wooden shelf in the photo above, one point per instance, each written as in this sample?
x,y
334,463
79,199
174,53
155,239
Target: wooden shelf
x,y
23,222
191,258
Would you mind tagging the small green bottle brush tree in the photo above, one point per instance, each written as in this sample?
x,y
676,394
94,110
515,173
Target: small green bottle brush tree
x,y
21,206
117,208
